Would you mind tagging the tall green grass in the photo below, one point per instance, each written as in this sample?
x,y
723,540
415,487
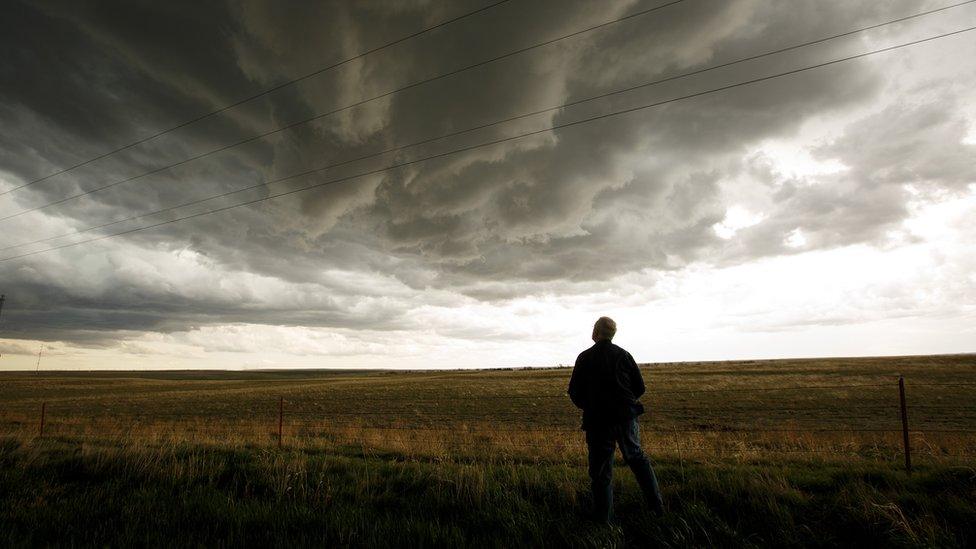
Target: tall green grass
x,y
67,493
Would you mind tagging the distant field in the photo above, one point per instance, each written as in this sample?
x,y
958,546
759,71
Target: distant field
x,y
750,453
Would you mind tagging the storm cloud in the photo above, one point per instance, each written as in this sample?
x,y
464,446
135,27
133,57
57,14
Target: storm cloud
x,y
581,210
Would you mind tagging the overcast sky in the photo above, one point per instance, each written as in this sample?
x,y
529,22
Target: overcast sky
x,y
828,212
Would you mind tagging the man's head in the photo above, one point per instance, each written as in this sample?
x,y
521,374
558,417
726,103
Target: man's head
x,y
605,328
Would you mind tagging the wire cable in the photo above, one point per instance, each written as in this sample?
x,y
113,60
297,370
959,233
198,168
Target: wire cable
x,y
344,108
399,148
257,95
485,144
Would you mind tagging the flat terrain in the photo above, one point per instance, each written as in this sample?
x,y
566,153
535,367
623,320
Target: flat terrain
x,y
749,453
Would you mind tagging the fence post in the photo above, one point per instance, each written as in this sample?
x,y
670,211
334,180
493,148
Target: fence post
x,y
904,424
677,446
43,411
281,413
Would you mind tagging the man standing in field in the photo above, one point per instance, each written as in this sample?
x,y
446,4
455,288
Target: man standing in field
x,y
606,384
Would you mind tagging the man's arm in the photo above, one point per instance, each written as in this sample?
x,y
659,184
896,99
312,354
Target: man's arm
x,y
636,380
576,384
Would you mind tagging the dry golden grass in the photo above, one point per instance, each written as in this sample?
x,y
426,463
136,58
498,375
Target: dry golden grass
x,y
830,409
800,452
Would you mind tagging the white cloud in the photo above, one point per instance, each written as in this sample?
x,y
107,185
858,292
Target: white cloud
x,y
736,217
970,138
793,160
795,238
854,300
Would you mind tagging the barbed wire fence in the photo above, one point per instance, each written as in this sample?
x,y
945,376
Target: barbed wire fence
x,y
461,424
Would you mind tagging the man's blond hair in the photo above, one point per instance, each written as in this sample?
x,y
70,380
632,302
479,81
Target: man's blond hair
x,y
605,328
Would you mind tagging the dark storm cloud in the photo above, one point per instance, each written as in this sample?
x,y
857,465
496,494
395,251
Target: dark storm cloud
x,y
921,145
627,194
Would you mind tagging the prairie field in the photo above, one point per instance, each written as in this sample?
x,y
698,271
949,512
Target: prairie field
x,y
749,453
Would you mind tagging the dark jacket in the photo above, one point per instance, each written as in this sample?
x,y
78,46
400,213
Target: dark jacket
x,y
606,384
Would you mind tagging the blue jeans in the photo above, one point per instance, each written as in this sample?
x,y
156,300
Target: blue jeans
x,y
601,442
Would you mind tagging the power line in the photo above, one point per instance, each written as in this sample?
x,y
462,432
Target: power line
x,y
399,148
485,144
257,95
361,102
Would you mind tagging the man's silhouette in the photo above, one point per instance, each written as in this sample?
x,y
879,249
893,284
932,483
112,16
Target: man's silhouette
x,y
606,384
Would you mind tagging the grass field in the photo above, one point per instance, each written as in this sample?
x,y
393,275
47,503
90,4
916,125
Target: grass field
x,y
791,452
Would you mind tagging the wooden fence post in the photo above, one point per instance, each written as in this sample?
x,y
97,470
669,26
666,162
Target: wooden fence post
x,y
904,424
43,411
677,446
281,413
